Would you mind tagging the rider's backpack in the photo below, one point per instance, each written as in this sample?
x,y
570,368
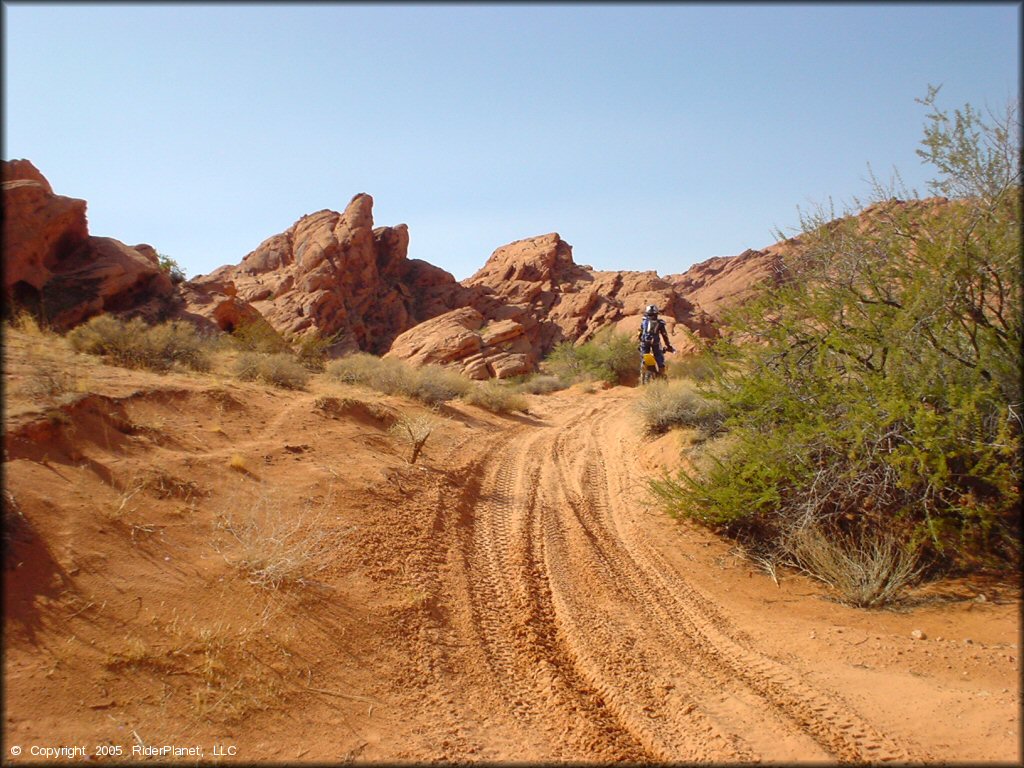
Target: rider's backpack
x,y
648,334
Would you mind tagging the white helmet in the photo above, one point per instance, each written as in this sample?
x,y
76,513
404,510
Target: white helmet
x,y
652,309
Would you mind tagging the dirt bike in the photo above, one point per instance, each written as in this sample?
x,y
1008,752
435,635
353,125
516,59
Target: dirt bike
x,y
649,370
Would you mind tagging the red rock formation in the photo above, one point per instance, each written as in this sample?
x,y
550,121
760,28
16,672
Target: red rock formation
x,y
724,282
55,269
531,295
334,275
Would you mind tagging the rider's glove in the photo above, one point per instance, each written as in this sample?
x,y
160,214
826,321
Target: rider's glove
x,y
670,348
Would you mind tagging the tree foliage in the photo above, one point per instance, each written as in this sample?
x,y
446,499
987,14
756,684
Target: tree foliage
x,y
880,390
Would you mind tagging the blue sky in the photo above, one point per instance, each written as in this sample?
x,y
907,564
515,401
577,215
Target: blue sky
x,y
648,136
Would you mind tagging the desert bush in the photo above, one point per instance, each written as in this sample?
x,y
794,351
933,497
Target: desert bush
x,y
676,403
280,369
867,569
496,397
258,336
134,344
433,384
539,384
700,367
414,430
609,356
277,544
881,389
311,350
172,268
430,384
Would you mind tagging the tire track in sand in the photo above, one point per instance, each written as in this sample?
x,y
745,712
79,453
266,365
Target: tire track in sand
x,y
592,638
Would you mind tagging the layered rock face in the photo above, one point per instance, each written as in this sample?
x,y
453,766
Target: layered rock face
x,y
335,275
56,270
724,282
531,295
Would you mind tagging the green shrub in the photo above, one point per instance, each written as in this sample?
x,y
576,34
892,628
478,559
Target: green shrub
x,y
280,369
172,268
259,336
134,344
676,403
879,394
312,349
496,397
609,356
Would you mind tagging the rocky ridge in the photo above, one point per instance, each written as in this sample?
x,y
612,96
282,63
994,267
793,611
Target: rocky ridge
x,y
337,276
55,268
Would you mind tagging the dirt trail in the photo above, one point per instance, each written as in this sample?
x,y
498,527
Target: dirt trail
x,y
513,596
592,641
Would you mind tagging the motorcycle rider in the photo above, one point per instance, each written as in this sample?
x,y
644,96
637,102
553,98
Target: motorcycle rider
x,y
652,332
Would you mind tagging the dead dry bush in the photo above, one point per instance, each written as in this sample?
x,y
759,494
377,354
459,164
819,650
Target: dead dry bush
x,y
414,430
47,380
867,569
222,670
275,544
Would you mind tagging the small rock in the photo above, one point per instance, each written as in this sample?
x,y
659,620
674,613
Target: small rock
x,y
981,599
968,641
918,634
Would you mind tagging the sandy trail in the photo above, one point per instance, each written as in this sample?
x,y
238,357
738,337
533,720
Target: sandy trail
x,y
513,596
592,645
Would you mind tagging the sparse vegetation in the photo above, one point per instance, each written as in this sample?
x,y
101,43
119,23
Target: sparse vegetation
x,y
276,545
135,344
609,356
496,396
414,430
311,350
430,384
280,369
874,405
866,568
258,336
539,384
676,403
171,267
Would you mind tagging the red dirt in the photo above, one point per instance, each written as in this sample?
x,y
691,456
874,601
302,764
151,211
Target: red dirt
x,y
514,596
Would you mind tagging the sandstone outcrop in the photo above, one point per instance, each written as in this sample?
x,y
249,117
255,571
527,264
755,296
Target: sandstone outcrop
x,y
721,283
55,269
529,297
334,275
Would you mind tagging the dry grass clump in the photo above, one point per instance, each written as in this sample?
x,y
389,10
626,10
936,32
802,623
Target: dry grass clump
x,y
276,544
221,670
867,570
134,344
541,384
47,380
414,430
279,369
496,397
430,384
675,403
